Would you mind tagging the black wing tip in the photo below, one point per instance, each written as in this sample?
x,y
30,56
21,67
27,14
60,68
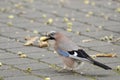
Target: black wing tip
x,y
102,65
108,68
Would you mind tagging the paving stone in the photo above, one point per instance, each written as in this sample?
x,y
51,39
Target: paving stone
x,y
11,72
100,34
70,77
47,72
33,66
2,51
4,67
26,49
116,27
107,49
7,55
14,61
41,55
4,40
85,41
23,78
19,34
53,60
7,45
8,30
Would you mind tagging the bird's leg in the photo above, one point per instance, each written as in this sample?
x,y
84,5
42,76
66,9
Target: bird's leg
x,y
64,67
78,65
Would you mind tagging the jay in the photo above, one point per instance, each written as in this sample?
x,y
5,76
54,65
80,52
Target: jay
x,y
70,53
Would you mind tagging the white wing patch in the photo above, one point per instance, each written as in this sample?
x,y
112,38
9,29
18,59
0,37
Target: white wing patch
x,y
75,54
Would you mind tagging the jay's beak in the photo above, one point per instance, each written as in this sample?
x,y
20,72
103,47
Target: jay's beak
x,y
47,37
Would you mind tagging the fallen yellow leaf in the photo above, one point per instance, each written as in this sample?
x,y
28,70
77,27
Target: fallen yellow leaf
x,y
69,24
10,16
86,1
19,52
43,44
23,56
1,64
78,33
66,19
44,15
50,21
87,40
28,69
35,32
118,68
118,9
69,29
87,30
9,23
106,55
47,78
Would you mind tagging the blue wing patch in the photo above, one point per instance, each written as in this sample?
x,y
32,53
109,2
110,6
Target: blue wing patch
x,y
63,53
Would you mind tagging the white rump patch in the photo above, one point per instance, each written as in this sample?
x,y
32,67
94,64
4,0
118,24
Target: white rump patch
x,y
75,54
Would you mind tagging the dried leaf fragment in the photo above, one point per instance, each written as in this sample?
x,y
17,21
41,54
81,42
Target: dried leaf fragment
x,y
9,23
44,15
69,24
87,40
1,64
35,32
23,56
107,38
11,16
89,14
69,29
50,21
66,19
47,78
106,55
28,69
78,33
30,41
19,52
118,9
87,30
86,1
43,44
118,68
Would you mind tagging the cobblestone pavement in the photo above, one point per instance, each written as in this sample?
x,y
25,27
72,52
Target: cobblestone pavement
x,y
93,24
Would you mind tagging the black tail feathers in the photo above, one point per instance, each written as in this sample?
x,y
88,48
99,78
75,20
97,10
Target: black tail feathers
x,y
101,65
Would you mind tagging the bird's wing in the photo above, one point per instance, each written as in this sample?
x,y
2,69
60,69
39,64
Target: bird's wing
x,y
76,54
80,54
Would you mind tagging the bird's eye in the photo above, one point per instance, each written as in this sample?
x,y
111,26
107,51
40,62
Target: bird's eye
x,y
52,34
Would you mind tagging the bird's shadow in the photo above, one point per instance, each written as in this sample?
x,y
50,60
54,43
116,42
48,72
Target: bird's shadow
x,y
84,74
95,75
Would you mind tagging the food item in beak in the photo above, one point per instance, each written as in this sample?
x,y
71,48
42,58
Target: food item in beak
x,y
44,38
43,42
